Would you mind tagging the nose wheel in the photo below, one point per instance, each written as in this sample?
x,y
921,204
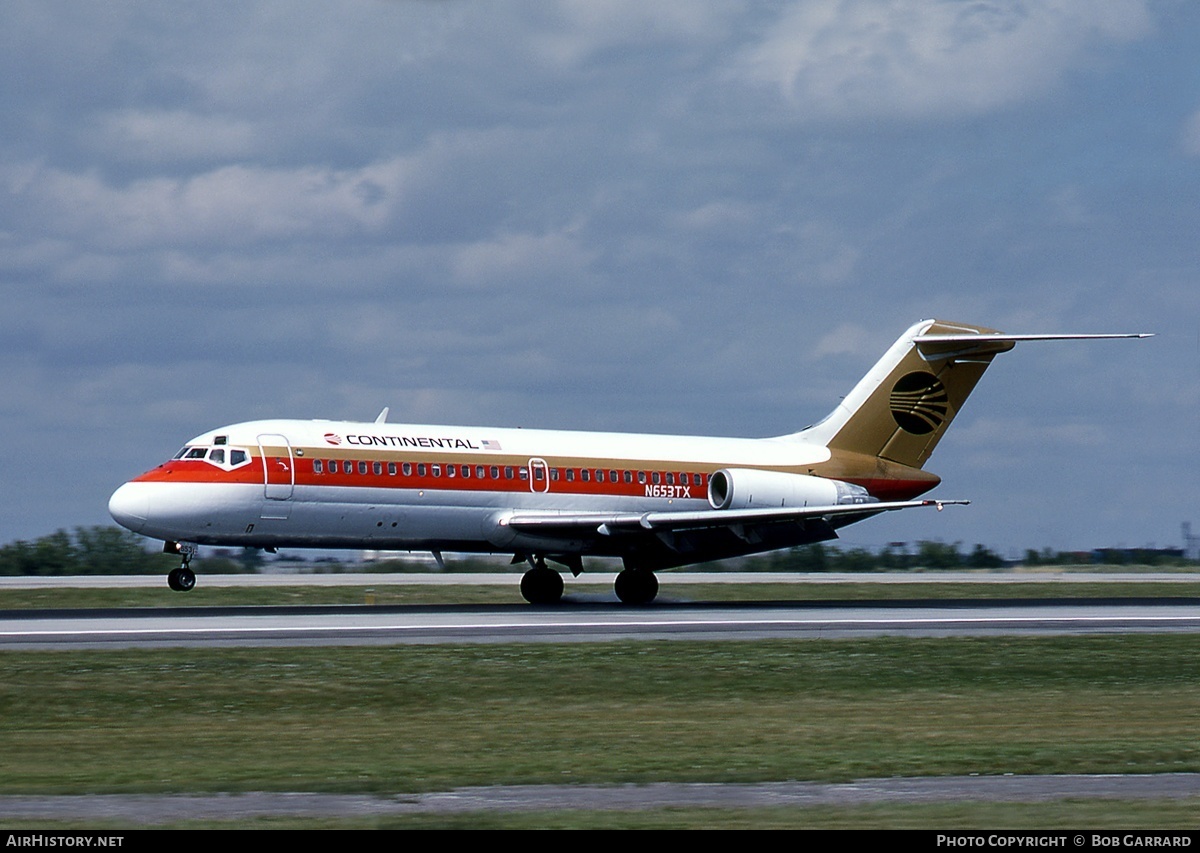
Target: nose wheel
x,y
183,578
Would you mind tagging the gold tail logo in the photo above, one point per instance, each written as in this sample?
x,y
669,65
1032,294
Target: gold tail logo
x,y
919,403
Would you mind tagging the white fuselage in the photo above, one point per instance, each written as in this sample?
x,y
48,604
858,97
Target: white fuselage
x,y
405,487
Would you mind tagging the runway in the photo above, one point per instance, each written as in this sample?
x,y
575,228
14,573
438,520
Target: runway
x,y
584,621
149,809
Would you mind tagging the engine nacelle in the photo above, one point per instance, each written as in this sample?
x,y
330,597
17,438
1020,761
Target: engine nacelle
x,y
750,488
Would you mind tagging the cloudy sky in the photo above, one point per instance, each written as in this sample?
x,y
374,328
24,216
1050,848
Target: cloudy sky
x,y
706,217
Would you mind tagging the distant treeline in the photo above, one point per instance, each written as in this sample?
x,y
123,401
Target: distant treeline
x,y
93,551
939,555
114,551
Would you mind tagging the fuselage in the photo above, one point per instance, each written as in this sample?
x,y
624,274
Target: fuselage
x,y
337,484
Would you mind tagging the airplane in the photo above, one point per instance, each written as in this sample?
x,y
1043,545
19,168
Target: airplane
x,y
654,501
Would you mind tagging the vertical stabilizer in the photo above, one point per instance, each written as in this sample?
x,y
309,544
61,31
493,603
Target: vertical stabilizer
x,y
901,409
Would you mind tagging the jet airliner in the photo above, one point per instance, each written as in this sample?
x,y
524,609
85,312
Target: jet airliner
x,y
656,502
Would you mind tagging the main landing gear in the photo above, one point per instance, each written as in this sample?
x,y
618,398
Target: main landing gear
x,y
543,585
183,578
636,586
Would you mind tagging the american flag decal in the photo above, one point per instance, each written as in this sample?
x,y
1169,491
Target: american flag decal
x,y
490,445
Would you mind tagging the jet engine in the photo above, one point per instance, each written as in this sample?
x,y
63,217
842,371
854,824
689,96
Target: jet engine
x,y
750,488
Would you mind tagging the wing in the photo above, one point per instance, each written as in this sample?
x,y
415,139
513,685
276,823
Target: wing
x,y
666,539
607,524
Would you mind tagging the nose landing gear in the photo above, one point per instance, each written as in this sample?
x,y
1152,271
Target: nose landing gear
x,y
183,578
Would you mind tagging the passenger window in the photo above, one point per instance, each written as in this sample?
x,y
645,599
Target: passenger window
x,y
451,470
391,469
318,466
480,472
495,472
362,467
420,469
585,474
612,476
406,469
436,470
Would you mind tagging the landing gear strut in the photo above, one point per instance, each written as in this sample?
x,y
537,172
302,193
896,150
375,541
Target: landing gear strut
x,y
541,585
183,578
636,586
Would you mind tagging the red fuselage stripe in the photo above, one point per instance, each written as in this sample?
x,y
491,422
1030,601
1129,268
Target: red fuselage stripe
x,y
515,478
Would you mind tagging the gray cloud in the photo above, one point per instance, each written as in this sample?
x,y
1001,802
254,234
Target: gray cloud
x,y
917,59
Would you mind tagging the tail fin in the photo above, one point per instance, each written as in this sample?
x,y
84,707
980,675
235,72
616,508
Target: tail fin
x,y
901,409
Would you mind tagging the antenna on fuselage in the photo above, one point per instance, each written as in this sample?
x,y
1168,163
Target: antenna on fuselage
x,y
382,416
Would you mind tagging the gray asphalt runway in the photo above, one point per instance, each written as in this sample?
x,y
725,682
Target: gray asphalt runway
x,y
581,622
149,809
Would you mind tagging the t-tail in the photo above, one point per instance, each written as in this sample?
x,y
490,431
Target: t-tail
x,y
899,411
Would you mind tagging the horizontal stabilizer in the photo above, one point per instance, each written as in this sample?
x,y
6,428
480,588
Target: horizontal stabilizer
x,y
965,345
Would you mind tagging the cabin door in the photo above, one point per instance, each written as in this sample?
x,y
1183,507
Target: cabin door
x,y
279,468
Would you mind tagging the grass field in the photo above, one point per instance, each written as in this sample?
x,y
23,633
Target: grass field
x,y
423,718
432,717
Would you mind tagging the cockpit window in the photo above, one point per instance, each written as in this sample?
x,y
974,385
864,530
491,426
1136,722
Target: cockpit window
x,y
227,458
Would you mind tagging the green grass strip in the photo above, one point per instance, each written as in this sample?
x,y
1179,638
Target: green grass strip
x,y
422,718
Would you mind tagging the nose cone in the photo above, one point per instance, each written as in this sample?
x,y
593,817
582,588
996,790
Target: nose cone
x,y
129,506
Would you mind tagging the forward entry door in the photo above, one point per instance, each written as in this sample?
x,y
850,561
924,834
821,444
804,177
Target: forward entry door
x,y
279,467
